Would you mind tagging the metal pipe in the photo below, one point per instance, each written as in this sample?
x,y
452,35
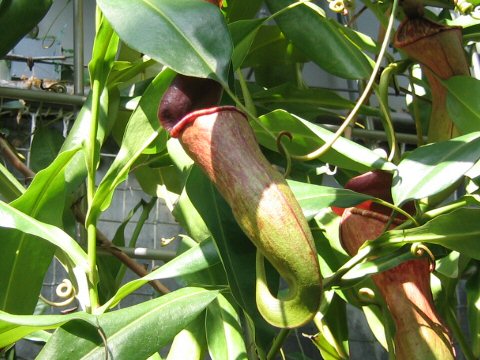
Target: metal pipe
x,y
143,253
78,86
44,96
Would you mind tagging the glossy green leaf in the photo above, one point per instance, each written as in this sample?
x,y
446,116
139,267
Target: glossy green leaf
x,y
45,146
224,331
190,220
17,19
16,327
308,137
105,47
435,167
458,230
315,198
473,311
374,266
325,230
361,40
242,9
11,218
142,129
135,332
271,48
332,339
44,200
463,108
197,258
243,33
320,40
190,343
10,187
189,36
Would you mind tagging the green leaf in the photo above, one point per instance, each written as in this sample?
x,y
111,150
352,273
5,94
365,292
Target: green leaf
x,y
197,258
243,33
224,331
271,48
135,332
45,146
306,101
190,343
13,219
104,51
16,327
17,19
315,198
308,137
242,9
142,129
435,167
10,187
458,230
24,259
325,230
189,36
332,340
374,266
318,37
463,108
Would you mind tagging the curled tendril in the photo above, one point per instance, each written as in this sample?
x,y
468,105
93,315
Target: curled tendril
x,y
103,336
365,94
367,296
64,290
419,249
284,152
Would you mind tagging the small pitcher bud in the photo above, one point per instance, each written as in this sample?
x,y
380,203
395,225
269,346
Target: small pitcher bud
x,y
439,50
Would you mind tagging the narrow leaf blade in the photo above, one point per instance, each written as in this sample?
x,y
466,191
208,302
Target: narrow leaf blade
x,y
135,332
432,168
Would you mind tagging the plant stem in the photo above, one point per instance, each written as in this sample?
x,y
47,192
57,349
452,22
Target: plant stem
x,y
444,209
277,343
397,209
416,110
247,97
362,254
366,92
382,95
91,167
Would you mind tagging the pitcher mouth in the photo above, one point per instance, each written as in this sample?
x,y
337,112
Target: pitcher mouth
x,y
186,94
177,129
413,30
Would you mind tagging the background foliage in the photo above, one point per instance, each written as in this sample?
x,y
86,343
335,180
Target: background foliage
x,y
214,312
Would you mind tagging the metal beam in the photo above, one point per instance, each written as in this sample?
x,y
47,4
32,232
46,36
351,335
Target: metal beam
x,y
42,96
78,85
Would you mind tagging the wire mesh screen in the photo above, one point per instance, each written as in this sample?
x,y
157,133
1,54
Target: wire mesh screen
x,y
132,214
